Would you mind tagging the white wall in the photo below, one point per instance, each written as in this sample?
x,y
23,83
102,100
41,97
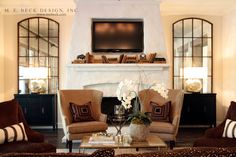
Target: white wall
x,y
2,83
217,54
147,10
229,57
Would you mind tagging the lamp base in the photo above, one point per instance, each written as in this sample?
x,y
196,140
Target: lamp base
x,y
37,86
193,85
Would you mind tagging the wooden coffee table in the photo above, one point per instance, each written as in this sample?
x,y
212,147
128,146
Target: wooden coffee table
x,y
152,141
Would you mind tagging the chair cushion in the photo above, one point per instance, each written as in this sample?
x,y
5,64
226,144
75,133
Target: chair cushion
x,y
162,127
8,113
84,127
81,113
13,133
160,112
215,142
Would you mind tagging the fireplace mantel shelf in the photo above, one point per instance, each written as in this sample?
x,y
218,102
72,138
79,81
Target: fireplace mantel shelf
x,y
118,67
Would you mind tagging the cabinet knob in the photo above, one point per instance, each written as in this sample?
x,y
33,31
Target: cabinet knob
x,y
188,109
42,110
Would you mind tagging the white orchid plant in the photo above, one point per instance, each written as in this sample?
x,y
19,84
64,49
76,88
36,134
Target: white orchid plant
x,y
127,90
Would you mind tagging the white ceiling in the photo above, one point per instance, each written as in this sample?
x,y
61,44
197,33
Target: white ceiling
x,y
168,7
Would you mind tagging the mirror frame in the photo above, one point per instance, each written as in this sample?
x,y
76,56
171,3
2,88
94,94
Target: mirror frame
x,y
196,56
42,53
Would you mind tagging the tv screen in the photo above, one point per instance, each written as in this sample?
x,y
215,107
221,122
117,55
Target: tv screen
x,y
117,36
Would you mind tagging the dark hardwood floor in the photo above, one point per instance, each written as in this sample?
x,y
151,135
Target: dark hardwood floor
x,y
185,138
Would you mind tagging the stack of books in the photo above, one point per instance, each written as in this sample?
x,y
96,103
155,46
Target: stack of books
x,y
102,138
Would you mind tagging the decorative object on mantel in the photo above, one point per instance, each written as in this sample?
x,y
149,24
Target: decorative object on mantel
x,y
151,57
80,59
142,58
121,58
159,60
113,60
104,59
139,121
89,58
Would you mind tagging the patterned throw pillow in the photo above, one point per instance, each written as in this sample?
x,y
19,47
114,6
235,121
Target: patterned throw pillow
x,y
12,133
81,113
230,129
160,112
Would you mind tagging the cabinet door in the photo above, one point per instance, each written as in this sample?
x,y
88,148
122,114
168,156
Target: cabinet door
x,y
23,102
209,106
47,109
198,109
35,111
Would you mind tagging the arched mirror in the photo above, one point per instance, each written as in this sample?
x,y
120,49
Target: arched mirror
x,y
38,55
192,55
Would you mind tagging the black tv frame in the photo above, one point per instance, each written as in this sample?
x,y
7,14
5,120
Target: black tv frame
x,y
117,21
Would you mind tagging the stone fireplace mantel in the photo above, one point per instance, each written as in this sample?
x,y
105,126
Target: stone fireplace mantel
x,y
105,77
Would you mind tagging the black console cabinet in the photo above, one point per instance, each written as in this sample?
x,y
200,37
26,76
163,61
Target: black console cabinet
x,y
39,109
199,109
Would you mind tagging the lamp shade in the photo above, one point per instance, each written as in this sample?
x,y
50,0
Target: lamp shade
x,y
195,72
34,72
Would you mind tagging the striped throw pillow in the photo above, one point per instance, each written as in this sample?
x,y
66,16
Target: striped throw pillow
x,y
12,133
230,129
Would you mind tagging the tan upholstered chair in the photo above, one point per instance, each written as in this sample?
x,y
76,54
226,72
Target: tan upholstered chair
x,y
75,131
165,130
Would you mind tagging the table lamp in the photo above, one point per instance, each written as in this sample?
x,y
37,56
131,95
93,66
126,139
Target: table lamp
x,y
194,76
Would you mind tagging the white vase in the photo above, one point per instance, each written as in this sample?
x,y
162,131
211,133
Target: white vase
x,y
138,132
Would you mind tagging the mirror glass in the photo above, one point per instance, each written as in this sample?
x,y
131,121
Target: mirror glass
x,y
38,55
192,52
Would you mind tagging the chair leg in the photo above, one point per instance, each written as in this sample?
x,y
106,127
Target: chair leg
x,y
69,145
172,144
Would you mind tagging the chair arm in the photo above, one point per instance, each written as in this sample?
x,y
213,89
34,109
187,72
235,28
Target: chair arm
x,y
34,136
216,132
175,120
66,120
65,123
103,117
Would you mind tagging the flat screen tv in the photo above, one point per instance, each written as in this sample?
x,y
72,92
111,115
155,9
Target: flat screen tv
x,y
117,36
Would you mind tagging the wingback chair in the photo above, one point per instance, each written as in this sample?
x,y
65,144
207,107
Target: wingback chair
x,y
165,130
76,130
213,136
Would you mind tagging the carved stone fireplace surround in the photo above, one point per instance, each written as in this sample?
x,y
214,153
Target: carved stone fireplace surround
x,y
105,77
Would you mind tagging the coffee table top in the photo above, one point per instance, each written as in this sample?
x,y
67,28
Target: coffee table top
x,y
152,141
